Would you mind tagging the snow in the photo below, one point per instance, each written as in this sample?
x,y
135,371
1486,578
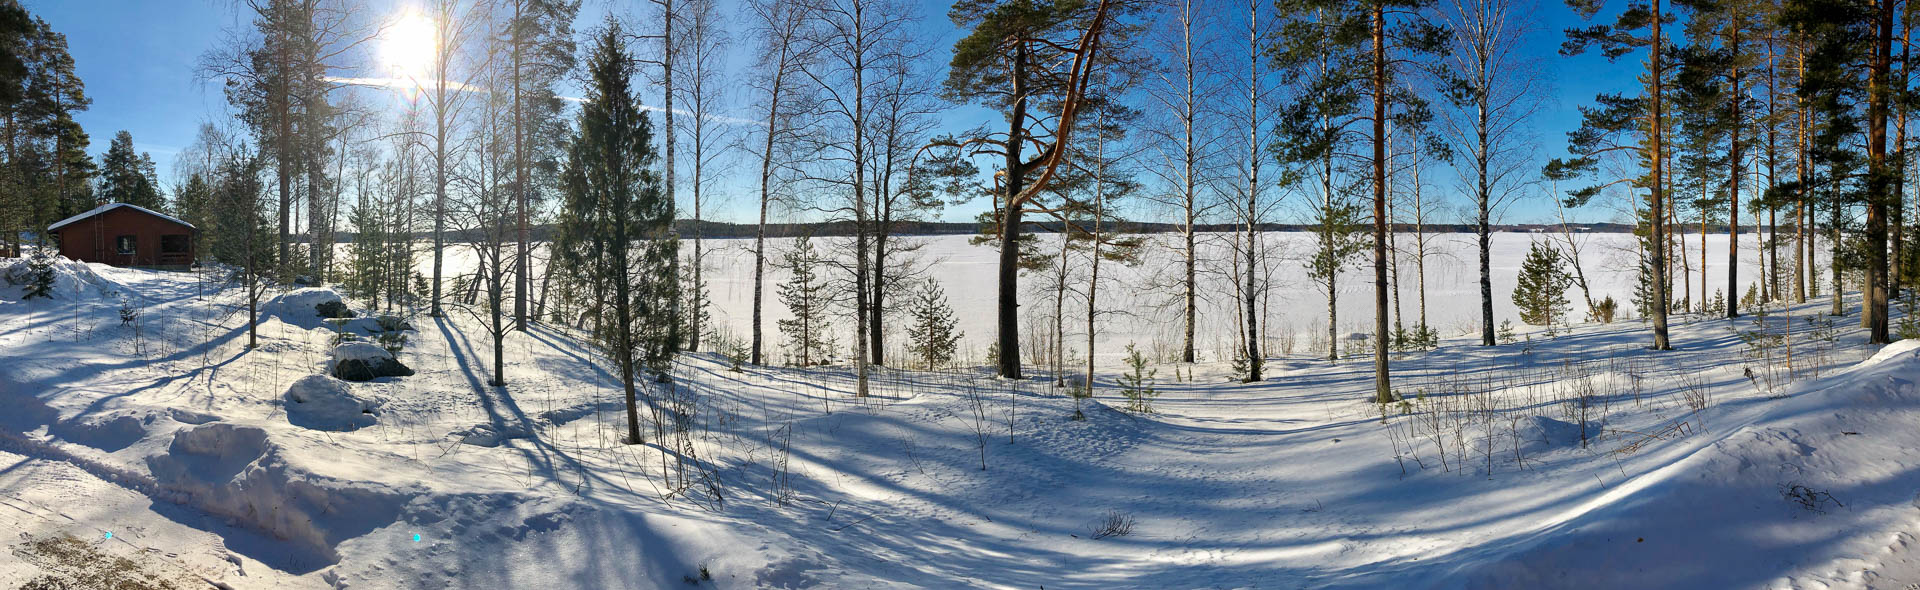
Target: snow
x,y
307,308
191,449
1149,316
320,402
71,279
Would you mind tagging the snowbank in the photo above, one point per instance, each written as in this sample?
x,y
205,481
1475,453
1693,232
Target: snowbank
x,y
361,361
71,279
320,402
238,473
109,432
1814,483
308,308
489,435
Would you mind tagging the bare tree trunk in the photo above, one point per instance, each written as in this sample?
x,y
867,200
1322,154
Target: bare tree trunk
x,y
1251,290
1190,161
1656,201
1007,310
520,189
1878,95
1382,389
1773,178
1734,177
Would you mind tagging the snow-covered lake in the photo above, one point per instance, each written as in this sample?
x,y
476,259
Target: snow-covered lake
x,y
1143,307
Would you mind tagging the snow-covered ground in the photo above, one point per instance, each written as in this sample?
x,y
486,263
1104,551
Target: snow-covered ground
x,y
165,442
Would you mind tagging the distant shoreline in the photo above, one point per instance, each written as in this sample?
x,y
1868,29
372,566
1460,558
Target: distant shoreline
x,y
718,230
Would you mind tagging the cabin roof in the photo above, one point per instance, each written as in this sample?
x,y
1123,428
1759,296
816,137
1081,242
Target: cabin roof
x,y
111,206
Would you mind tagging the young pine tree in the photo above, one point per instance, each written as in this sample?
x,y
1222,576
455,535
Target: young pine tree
x,y
805,295
1541,293
931,338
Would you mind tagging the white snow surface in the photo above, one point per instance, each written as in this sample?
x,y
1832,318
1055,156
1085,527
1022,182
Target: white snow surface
x,y
176,438
321,402
1141,306
299,307
71,279
360,351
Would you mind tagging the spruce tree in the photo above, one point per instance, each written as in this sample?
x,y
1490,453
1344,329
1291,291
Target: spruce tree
x,y
366,258
931,337
193,202
125,176
615,233
40,281
805,295
1541,292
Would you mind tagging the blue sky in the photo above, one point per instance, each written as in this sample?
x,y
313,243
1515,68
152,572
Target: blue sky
x,y
139,58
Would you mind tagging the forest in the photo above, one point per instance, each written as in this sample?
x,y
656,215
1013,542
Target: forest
x,y
902,293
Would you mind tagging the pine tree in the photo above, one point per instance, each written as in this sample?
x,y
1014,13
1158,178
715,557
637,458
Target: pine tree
x,y
1629,124
540,38
1541,292
1036,62
931,337
805,295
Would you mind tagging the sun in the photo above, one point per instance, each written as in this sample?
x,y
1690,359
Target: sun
x,y
407,48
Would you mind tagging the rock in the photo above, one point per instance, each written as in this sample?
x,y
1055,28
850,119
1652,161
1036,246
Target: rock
x,y
320,402
392,323
333,309
308,308
362,361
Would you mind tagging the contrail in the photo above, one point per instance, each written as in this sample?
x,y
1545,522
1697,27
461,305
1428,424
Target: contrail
x,y
409,84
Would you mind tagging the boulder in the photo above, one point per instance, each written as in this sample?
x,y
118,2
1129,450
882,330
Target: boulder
x,y
308,308
362,361
320,402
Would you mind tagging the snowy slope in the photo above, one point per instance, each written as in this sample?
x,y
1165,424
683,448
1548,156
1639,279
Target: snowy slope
x,y
172,436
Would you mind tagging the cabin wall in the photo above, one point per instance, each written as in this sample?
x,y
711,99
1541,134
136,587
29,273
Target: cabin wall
x,y
97,239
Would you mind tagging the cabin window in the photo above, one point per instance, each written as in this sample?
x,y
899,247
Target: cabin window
x,y
174,244
123,244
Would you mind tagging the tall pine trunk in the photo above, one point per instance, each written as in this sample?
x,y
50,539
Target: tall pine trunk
x,y
1656,200
1733,177
1382,389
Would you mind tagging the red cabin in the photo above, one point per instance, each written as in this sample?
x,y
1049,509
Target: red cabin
x,y
125,235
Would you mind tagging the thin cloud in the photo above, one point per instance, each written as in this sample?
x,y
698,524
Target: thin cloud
x,y
401,83
409,84
714,118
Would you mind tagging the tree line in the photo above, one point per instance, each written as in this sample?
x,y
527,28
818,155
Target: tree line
x,y
1219,119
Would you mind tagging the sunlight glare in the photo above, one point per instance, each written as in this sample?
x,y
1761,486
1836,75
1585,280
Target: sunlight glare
x,y
407,48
